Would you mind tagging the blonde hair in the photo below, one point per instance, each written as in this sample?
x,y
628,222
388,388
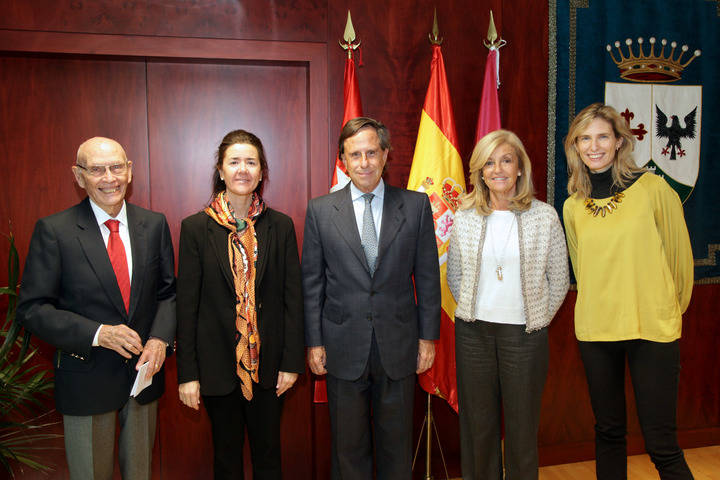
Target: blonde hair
x,y
623,166
479,197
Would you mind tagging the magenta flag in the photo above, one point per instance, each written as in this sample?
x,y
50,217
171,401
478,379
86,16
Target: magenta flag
x,y
489,116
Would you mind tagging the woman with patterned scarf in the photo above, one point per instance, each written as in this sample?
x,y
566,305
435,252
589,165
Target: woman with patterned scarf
x,y
240,338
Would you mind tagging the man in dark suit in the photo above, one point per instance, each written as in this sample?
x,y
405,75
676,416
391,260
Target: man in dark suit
x,y
372,306
99,285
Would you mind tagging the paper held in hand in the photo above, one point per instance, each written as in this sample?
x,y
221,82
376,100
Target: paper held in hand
x,y
140,382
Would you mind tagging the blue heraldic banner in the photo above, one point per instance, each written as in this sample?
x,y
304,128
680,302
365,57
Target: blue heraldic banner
x,y
658,63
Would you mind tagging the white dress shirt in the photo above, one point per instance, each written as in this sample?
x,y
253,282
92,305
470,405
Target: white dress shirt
x,y
101,216
358,202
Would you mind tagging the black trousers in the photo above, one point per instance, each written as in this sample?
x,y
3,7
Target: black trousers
x,y
229,416
654,369
500,368
372,411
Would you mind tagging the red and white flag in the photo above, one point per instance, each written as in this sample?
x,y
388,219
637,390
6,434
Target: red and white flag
x,y
352,109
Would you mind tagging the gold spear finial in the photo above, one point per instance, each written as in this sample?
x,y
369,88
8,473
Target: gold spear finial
x,y
435,32
349,37
493,39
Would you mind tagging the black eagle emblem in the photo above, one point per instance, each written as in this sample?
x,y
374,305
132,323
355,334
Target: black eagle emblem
x,y
675,132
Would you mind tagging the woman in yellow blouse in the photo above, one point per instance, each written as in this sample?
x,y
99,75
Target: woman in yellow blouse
x,y
631,255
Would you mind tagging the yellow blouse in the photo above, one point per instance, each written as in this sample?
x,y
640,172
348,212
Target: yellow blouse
x,y
634,266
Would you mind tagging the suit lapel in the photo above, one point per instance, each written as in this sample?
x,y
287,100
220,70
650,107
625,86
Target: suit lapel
x,y
139,249
263,230
343,217
95,251
392,219
218,237
219,240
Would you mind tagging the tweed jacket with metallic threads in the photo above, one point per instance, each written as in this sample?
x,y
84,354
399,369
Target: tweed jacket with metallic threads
x,y
543,262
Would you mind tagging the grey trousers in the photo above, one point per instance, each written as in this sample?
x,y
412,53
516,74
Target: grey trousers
x,y
372,414
90,442
500,370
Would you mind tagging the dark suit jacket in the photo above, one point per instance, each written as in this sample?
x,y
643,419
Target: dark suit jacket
x,y
69,288
206,303
344,304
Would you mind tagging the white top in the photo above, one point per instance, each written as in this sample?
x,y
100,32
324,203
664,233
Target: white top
x,y
500,301
358,202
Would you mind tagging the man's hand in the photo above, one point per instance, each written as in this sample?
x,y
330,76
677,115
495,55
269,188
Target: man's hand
x,y
154,354
284,382
316,360
190,394
121,338
426,355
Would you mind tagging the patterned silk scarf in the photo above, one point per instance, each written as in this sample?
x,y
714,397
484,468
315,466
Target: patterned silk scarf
x,y
242,252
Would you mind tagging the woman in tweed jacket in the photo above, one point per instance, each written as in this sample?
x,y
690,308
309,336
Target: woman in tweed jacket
x,y
508,271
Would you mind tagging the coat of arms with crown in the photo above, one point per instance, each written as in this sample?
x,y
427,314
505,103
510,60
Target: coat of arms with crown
x,y
444,206
665,119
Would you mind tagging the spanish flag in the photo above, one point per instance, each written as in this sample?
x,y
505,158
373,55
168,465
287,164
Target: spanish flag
x,y
437,170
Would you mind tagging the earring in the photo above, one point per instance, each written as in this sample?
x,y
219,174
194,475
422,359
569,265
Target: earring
x,y
222,179
519,174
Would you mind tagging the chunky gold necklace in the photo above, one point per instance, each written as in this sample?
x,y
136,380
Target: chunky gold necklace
x,y
612,205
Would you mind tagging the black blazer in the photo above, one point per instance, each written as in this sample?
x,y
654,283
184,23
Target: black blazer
x,y
344,304
69,289
206,303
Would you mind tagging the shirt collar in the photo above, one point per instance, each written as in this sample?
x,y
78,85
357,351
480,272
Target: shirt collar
x,y
102,216
356,193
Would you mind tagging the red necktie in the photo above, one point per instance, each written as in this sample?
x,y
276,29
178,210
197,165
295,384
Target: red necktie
x,y
116,251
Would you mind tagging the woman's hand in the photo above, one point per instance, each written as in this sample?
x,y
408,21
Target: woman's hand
x,y
190,394
285,381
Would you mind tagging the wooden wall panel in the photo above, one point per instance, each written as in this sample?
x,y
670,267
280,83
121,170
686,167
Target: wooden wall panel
x,y
48,106
396,54
290,20
523,71
191,106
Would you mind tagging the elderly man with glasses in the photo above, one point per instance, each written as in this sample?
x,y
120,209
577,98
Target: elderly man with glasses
x,y
99,285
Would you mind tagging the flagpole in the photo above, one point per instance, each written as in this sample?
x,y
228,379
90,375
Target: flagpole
x,y
434,40
429,422
428,439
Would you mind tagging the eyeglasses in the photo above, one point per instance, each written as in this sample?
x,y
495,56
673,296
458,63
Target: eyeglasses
x,y
99,170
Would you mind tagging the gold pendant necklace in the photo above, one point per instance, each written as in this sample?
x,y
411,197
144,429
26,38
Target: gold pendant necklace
x,y
500,260
613,204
